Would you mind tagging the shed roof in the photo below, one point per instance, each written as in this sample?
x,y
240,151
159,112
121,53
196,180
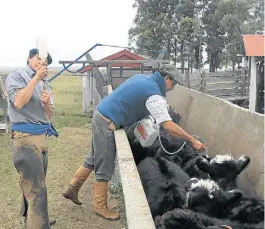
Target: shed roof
x,y
121,55
254,44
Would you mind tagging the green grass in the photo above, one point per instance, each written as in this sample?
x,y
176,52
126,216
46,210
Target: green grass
x,y
67,92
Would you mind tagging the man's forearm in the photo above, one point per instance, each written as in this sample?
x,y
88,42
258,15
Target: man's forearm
x,y
177,131
25,94
48,110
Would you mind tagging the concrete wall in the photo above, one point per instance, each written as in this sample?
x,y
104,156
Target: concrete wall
x,y
226,129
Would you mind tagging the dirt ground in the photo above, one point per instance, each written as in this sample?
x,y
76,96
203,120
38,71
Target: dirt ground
x,y
66,153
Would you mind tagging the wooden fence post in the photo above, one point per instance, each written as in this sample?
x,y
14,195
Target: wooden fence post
x,y
187,78
203,81
109,74
86,93
243,78
121,70
142,71
253,85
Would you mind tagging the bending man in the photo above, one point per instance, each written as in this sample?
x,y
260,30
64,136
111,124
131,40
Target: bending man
x,y
136,98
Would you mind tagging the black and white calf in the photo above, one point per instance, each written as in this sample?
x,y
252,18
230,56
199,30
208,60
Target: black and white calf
x,y
224,169
187,219
207,197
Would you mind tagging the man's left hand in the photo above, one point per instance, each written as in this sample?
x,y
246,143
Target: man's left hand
x,y
45,98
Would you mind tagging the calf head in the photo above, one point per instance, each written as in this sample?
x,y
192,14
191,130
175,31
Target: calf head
x,y
224,169
206,196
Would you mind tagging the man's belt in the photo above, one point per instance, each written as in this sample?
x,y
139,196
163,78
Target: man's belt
x,y
111,124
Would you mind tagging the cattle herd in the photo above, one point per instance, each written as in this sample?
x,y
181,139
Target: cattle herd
x,y
188,190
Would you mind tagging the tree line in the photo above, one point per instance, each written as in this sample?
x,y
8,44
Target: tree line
x,y
187,28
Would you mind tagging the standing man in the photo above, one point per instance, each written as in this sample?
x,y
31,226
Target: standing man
x,y
30,109
133,100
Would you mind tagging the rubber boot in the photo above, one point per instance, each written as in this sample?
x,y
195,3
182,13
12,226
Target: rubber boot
x,y
100,201
76,183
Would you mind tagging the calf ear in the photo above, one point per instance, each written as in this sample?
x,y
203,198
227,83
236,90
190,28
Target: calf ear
x,y
242,163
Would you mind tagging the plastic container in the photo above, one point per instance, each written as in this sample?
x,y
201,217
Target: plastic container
x,y
146,131
43,53
42,47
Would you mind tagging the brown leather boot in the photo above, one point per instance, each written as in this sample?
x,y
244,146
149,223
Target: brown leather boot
x,y
79,178
100,198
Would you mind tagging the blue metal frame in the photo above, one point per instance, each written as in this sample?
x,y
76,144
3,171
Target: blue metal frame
x,y
65,68
94,46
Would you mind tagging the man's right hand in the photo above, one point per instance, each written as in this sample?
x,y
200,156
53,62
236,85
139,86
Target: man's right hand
x,y
42,72
199,146
175,130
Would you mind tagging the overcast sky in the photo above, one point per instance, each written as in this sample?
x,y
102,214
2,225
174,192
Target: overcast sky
x,y
70,27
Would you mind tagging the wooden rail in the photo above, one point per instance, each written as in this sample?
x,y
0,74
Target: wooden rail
x,y
232,85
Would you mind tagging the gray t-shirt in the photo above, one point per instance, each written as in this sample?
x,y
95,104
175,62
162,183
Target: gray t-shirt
x,y
32,112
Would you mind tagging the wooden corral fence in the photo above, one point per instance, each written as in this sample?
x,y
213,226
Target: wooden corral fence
x,y
229,85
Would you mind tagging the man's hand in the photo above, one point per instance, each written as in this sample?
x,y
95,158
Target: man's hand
x,y
45,98
199,146
42,72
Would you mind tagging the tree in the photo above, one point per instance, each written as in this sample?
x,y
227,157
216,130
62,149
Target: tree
x,y
166,23
185,26
153,28
255,20
234,14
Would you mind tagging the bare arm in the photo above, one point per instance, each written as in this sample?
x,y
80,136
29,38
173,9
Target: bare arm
x,y
177,131
157,107
25,94
49,111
